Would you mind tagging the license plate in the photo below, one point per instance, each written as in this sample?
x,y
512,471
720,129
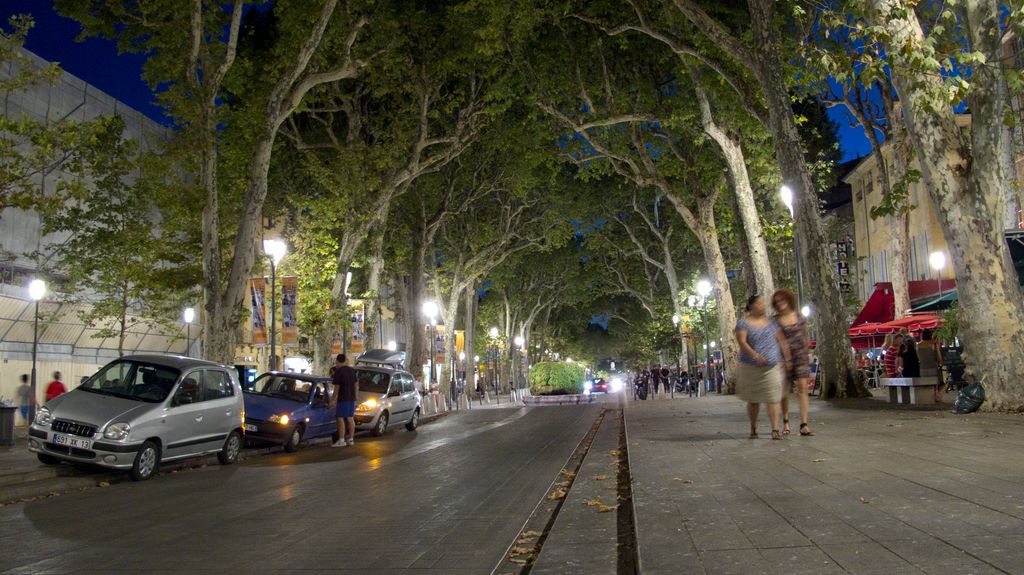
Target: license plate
x,y
250,427
71,441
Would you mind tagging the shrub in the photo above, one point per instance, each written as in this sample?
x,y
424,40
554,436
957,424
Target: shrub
x,y
556,378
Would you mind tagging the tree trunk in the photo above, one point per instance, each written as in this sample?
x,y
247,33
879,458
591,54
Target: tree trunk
x,y
373,286
833,347
715,263
469,326
418,345
968,194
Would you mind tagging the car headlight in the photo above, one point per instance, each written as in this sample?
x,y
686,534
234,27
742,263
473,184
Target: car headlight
x,y
117,431
43,417
616,383
368,405
282,419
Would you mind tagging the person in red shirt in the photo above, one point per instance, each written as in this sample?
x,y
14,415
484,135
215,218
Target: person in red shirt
x,y
892,355
55,387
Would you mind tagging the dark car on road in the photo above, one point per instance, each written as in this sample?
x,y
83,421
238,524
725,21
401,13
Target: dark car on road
x,y
289,408
596,385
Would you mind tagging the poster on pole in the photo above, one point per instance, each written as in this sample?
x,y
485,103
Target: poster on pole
x,y
289,310
357,335
258,310
439,344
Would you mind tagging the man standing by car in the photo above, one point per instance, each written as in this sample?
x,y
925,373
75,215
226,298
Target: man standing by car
x,y
346,389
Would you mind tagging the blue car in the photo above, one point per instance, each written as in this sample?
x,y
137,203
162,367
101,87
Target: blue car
x,y
289,408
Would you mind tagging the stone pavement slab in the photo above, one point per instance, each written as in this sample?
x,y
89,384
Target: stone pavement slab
x,y
879,489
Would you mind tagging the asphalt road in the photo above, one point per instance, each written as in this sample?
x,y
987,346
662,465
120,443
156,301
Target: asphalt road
x,y
448,498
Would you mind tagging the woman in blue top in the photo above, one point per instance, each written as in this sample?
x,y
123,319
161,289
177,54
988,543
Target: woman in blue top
x,y
763,349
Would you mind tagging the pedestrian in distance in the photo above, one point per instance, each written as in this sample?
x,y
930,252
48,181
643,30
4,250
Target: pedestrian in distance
x,y
763,354
346,390
25,399
930,357
798,373
56,387
655,379
892,360
908,355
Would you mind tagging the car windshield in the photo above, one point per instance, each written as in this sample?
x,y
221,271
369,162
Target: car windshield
x,y
373,381
282,387
133,380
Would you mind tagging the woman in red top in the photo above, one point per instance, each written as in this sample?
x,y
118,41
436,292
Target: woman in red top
x,y
56,387
893,341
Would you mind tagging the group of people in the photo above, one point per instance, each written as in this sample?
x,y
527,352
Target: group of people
x,y
53,389
774,361
905,357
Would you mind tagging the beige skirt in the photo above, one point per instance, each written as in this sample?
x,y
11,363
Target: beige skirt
x,y
757,384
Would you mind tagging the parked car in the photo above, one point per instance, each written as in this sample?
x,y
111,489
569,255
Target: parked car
x,y
143,410
288,408
387,396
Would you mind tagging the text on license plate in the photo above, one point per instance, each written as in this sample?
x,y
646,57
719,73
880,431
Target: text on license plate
x,y
71,441
250,427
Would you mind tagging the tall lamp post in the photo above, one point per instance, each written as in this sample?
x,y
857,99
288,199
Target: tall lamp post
x,y
938,262
430,310
704,290
787,198
188,316
275,250
493,332
36,291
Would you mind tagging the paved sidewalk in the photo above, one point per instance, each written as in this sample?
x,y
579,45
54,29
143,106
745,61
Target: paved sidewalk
x,y
877,490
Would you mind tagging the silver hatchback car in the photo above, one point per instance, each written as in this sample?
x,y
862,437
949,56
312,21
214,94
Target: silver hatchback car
x,y
142,410
387,396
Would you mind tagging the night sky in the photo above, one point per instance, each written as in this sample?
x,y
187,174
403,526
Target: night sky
x,y
97,62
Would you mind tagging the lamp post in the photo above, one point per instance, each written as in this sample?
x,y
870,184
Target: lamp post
x,y
275,250
188,316
704,290
430,310
787,198
938,262
36,291
493,332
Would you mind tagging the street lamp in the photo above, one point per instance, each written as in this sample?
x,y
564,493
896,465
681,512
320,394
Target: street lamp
x,y
938,262
787,198
188,316
430,310
805,311
275,250
36,291
392,345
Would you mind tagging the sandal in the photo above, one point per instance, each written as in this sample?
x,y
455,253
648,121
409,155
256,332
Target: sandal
x,y
805,431
776,435
785,427
753,434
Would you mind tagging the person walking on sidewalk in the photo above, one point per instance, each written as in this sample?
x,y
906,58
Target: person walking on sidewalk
x,y
798,375
759,374
56,387
25,399
346,389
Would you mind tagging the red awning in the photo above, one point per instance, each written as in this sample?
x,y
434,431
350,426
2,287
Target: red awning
x,y
881,306
872,334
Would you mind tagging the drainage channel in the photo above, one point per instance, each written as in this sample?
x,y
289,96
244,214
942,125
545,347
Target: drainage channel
x,y
521,554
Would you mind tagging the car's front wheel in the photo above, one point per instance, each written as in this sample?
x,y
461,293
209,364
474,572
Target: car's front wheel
x,y
146,461
382,424
232,447
294,440
414,421
47,459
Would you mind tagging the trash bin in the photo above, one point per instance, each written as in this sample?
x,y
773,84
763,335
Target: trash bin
x,y
7,425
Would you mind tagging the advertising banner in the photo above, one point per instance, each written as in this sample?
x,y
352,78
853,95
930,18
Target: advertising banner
x,y
258,310
289,310
460,342
357,335
439,343
336,345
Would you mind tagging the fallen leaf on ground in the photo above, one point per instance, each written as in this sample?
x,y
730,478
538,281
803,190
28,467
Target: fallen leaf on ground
x,y
558,494
569,474
677,479
607,508
688,482
614,453
592,502
818,460
520,551
103,484
600,477
532,534
865,500
518,561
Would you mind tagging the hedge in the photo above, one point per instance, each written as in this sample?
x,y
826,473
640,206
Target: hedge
x,y
556,378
